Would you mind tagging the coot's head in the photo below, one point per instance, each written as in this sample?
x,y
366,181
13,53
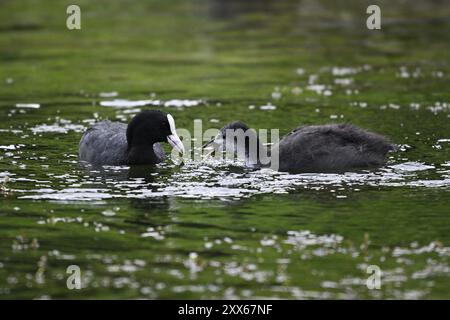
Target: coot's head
x,y
232,128
235,140
151,126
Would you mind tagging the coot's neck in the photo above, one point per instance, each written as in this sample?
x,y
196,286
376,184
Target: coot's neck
x,y
256,156
142,154
140,142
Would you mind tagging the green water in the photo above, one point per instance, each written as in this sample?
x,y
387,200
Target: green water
x,y
209,230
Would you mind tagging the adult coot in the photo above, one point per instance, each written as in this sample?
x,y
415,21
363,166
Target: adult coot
x,y
320,148
114,143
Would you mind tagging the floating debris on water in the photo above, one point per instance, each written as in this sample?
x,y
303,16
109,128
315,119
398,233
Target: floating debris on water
x,y
268,106
300,71
28,105
182,103
121,103
343,81
344,71
405,73
157,234
111,94
411,166
58,128
9,147
178,103
109,213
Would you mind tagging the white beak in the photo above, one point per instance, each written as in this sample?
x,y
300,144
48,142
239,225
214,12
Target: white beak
x,y
174,139
176,143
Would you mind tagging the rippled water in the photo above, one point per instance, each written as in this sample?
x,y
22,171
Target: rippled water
x,y
209,179
214,229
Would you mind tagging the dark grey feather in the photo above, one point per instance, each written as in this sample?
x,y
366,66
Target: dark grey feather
x,y
105,143
325,148
331,148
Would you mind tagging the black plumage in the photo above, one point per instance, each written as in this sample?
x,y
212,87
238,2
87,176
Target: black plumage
x,y
114,143
318,148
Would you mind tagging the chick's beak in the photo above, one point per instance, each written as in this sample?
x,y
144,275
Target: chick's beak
x,y
216,141
176,143
206,145
213,144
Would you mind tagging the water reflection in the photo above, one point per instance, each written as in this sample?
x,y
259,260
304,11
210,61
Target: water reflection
x,y
216,179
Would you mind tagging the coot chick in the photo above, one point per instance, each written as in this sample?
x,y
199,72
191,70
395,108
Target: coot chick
x,y
318,148
114,143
